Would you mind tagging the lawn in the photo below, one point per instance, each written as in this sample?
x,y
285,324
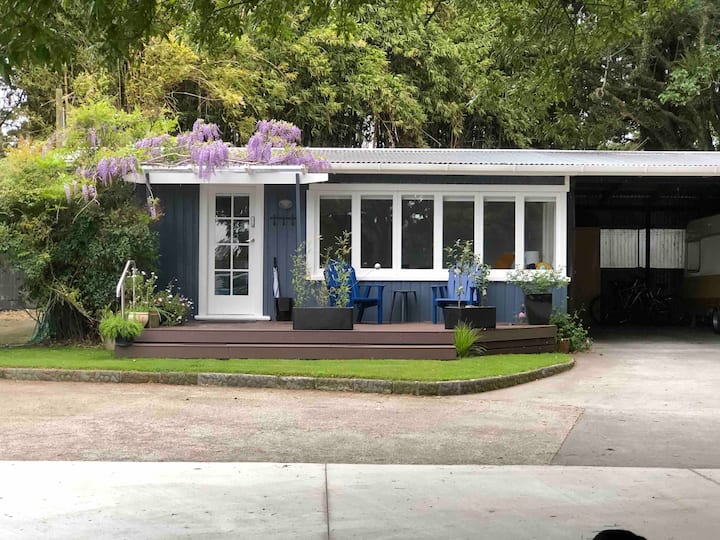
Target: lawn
x,y
412,370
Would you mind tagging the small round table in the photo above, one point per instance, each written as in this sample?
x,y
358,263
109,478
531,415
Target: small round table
x,y
404,293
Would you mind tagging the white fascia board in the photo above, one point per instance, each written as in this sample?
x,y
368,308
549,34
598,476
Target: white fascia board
x,y
444,189
251,175
524,170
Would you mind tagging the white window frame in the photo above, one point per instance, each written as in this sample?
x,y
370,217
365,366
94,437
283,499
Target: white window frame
x,y
518,193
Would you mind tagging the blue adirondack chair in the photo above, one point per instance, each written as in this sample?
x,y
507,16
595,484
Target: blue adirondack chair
x,y
361,296
445,295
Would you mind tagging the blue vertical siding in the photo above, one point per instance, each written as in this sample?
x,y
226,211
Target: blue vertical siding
x,y
179,238
280,240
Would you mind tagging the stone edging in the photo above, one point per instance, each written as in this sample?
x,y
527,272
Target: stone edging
x,y
377,386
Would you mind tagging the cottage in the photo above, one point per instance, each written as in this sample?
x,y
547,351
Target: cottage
x,y
601,217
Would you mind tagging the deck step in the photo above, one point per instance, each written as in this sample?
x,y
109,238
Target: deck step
x,y
271,336
288,351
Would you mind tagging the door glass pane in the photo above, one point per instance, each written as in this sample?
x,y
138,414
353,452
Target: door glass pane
x,y
240,283
376,232
417,233
222,206
539,233
222,257
241,206
241,230
222,230
499,234
458,224
335,219
240,257
222,283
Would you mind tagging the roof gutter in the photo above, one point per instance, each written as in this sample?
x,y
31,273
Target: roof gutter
x,y
524,170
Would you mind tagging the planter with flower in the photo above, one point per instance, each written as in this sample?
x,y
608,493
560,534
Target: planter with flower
x,y
140,286
537,286
321,306
469,271
173,307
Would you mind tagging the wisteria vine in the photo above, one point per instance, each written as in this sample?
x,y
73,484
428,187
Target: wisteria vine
x,y
274,142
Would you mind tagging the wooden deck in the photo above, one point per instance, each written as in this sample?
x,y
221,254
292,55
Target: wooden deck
x,y
279,340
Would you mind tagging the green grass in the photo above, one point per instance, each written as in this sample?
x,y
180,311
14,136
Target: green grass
x,y
413,370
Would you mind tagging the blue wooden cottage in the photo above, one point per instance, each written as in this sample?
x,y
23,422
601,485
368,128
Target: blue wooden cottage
x,y
221,237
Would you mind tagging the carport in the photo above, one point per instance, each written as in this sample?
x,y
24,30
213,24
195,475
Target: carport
x,y
627,233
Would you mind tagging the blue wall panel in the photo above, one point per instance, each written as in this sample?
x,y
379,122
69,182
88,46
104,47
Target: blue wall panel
x,y
179,236
280,240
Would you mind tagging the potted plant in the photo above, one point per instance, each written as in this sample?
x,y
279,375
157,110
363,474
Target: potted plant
x,y
142,306
572,336
316,306
537,286
117,330
471,272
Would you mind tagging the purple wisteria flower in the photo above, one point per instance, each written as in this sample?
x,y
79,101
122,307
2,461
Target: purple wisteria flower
x,y
208,156
153,145
68,193
85,193
271,134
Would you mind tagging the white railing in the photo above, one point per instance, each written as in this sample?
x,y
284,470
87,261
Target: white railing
x,y
120,289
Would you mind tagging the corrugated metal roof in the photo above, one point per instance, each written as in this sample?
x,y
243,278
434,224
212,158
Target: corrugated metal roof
x,y
571,162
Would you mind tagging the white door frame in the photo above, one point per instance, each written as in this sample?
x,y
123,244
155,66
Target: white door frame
x,y
257,251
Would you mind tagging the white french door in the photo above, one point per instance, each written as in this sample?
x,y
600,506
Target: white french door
x,y
234,252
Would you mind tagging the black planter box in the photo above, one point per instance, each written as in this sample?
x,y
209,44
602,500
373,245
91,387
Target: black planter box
x,y
476,316
322,318
283,308
538,308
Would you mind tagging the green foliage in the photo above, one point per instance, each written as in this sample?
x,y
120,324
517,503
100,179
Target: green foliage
x,y
461,257
315,292
466,336
70,252
621,74
113,326
570,326
537,281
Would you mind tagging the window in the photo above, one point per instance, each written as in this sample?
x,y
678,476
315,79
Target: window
x,y
405,228
417,229
335,219
232,237
458,223
376,222
539,233
499,234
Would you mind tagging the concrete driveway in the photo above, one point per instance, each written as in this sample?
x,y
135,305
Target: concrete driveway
x,y
636,400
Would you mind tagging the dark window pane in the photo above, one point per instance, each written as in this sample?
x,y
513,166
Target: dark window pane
x,y
241,231
458,224
417,233
335,219
376,232
241,206
539,233
222,283
240,258
499,234
222,206
240,283
222,257
222,230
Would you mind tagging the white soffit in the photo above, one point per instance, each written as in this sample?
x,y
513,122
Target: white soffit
x,y
254,175
520,162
